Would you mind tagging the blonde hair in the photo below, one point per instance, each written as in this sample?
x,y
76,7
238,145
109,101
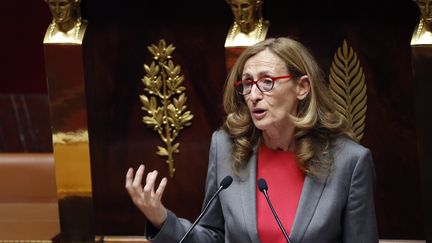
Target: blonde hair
x,y
316,122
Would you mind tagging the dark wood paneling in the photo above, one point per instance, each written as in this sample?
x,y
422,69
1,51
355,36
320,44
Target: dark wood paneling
x,y
24,123
422,58
23,27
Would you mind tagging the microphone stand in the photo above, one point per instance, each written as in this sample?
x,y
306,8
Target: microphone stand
x,y
277,218
225,183
262,186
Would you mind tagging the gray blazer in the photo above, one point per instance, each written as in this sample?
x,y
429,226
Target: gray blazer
x,y
339,208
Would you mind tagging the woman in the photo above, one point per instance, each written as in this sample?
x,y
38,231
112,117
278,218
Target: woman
x,y
281,125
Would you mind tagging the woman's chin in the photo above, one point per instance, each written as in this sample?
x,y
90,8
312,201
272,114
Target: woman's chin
x,y
261,125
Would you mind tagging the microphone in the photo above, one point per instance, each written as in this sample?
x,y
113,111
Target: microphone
x,y
225,183
262,186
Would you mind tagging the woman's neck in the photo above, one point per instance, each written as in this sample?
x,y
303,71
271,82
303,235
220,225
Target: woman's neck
x,y
279,139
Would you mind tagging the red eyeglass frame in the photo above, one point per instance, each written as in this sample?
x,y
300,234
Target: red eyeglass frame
x,y
236,84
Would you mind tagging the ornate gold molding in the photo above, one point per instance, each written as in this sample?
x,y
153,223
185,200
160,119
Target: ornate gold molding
x,y
79,136
165,103
348,88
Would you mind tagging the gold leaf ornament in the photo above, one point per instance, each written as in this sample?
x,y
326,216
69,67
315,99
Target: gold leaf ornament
x,y
348,88
165,100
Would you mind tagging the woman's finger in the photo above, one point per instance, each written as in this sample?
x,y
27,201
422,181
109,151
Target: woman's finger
x,y
149,186
161,188
138,177
129,177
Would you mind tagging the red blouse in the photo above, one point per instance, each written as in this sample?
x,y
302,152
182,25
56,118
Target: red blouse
x,y
285,183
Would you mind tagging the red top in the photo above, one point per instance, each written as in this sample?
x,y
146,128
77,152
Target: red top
x,y
285,183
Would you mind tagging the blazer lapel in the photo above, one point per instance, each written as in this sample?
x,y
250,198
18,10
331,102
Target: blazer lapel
x,y
310,196
248,197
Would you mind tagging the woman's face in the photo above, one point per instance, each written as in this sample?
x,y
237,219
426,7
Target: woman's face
x,y
270,110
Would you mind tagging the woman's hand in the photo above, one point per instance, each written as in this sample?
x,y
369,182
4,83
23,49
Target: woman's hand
x,y
146,198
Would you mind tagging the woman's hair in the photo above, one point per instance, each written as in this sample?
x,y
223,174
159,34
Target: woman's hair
x,y
316,122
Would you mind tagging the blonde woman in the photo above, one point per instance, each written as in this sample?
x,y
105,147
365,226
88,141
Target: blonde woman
x,y
281,126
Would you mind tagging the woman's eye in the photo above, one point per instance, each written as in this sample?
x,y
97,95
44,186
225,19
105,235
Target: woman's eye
x,y
247,82
266,81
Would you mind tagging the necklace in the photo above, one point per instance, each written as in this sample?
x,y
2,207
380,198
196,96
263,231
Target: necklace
x,y
420,28
258,27
77,28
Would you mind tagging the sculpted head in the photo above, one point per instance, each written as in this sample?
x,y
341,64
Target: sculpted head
x,y
425,7
246,13
64,11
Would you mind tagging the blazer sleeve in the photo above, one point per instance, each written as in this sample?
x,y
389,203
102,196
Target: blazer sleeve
x,y
211,227
359,221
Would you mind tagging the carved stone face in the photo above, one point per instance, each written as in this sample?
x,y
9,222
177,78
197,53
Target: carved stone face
x,y
244,11
425,7
62,10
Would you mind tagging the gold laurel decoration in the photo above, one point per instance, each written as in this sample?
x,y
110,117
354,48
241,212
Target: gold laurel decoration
x,y
348,88
165,103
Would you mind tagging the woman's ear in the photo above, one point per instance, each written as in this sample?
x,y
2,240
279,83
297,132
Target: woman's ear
x,y
303,87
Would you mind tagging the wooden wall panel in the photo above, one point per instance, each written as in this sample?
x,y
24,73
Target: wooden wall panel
x,y
23,27
24,123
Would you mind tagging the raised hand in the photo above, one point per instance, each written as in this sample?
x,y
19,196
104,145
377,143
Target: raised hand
x,y
146,198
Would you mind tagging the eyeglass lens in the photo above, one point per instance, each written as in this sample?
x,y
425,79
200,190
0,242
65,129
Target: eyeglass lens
x,y
264,85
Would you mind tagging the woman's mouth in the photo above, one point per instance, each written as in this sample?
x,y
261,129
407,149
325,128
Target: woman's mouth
x,y
259,114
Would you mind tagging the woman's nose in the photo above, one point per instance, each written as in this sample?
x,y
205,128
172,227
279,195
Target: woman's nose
x,y
255,94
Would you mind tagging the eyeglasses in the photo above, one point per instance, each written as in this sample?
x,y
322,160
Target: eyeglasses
x,y
264,84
